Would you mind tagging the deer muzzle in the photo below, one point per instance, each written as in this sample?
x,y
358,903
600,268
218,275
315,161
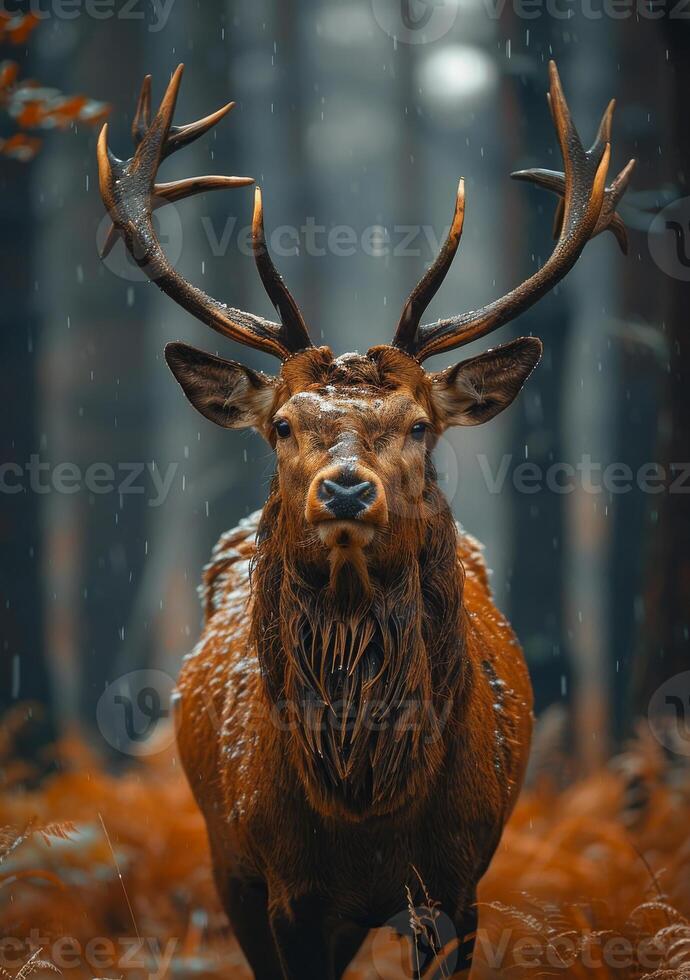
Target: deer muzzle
x,y
346,502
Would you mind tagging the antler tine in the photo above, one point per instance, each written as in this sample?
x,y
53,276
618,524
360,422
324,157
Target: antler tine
x,y
178,136
184,135
152,144
295,330
584,194
554,181
131,194
142,116
609,219
177,190
149,139
431,281
604,132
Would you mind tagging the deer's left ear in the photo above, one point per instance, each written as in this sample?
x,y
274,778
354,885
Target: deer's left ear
x,y
477,389
225,392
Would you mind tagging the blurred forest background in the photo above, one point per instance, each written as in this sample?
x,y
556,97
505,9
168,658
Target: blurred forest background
x,y
342,123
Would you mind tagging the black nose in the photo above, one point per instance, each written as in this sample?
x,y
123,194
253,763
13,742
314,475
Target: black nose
x,y
346,502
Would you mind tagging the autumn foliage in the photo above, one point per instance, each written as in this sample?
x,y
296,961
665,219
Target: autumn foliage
x,y
31,106
108,875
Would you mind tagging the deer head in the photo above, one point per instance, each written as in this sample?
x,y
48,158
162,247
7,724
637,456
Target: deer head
x,y
355,508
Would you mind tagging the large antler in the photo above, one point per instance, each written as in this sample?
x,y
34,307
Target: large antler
x,y
587,208
131,195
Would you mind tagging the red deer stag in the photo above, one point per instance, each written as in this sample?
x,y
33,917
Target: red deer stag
x,y
355,720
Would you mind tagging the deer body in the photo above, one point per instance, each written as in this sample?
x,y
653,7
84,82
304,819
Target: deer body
x,y
268,835
355,719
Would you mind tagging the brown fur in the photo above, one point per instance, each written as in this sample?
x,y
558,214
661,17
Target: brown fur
x,y
351,713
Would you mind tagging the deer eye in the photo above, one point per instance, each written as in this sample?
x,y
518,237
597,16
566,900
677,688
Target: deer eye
x,y
282,427
418,431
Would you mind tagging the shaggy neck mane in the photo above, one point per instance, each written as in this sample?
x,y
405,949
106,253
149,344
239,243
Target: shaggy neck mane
x,y
366,669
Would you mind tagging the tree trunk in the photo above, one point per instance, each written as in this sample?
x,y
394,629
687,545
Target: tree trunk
x,y
664,640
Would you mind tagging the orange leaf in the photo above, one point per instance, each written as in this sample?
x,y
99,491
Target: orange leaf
x,y
20,147
31,115
8,74
16,29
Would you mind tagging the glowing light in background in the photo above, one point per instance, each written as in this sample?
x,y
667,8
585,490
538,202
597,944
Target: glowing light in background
x,y
457,76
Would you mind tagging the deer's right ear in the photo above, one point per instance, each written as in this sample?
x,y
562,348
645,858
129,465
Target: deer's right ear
x,y
225,392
